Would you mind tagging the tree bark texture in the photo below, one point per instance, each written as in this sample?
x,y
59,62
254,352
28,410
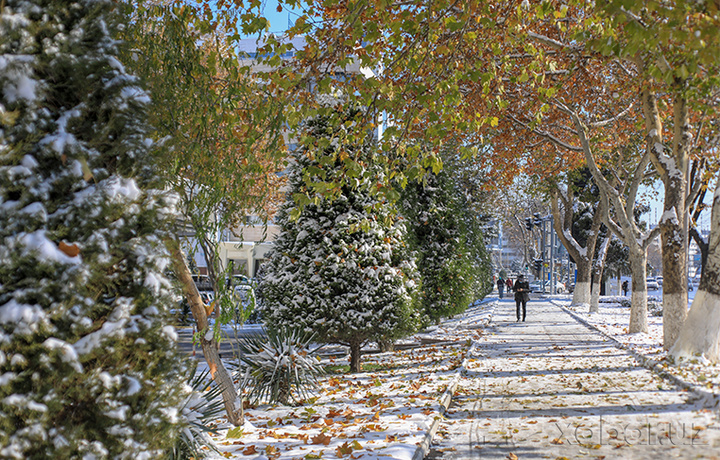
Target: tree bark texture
x,y
355,354
672,165
700,333
218,372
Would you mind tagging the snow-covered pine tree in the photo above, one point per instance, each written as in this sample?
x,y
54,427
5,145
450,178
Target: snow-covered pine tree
x,y
87,367
339,267
439,234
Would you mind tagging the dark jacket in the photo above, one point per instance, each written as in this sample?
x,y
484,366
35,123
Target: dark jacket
x,y
522,290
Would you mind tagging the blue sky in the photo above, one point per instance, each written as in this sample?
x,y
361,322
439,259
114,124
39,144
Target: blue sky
x,y
278,20
654,197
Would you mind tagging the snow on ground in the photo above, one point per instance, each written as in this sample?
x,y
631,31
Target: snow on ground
x,y
387,410
613,319
383,412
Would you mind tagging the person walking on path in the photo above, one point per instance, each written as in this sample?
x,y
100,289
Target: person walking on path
x,y
556,389
625,288
501,286
509,284
522,294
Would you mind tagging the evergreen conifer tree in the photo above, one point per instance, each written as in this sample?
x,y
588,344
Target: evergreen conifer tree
x,y
87,367
339,267
449,245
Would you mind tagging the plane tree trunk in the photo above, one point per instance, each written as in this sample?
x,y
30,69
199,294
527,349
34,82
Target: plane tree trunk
x,y
562,205
700,333
672,165
597,274
620,196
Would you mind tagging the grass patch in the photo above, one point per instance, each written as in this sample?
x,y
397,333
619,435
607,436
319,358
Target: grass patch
x,y
334,369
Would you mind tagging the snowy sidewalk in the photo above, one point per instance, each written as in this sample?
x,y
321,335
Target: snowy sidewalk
x,y
551,388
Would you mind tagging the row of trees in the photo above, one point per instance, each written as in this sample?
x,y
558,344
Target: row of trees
x,y
349,269
552,86
86,364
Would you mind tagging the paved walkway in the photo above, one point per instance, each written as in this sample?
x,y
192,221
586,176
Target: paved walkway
x,y
552,388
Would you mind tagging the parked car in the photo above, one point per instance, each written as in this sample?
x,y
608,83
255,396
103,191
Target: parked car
x,y
246,304
238,280
652,284
537,286
202,282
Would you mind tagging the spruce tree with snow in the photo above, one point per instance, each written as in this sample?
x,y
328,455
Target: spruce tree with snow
x,y
339,267
87,367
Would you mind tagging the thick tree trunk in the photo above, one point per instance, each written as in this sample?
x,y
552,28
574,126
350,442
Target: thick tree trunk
x,y
700,333
672,165
638,300
355,353
233,404
581,294
674,231
562,221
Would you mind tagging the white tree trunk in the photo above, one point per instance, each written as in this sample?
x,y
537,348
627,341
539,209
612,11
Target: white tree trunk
x,y
595,298
638,300
700,333
581,295
597,274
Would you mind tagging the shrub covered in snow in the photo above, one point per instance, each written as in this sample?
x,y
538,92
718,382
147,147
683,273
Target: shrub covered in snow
x,y
339,267
655,308
87,367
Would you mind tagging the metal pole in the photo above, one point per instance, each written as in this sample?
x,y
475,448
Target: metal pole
x,y
553,289
542,267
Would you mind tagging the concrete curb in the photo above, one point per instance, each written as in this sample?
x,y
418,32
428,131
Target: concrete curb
x,y
649,363
424,447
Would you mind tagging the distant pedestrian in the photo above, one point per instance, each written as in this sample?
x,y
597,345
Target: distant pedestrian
x,y
509,284
522,294
500,286
625,288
